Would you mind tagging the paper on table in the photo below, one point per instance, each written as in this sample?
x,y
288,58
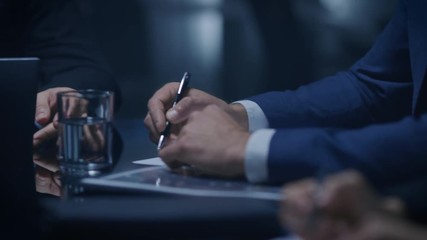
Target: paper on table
x,y
156,161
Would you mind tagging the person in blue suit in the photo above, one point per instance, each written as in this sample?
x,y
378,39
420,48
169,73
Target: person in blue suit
x,y
372,118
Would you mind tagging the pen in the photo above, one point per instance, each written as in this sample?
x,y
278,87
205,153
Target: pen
x,y
181,90
37,126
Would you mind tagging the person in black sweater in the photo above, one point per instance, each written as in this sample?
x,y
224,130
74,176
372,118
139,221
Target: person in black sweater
x,y
59,34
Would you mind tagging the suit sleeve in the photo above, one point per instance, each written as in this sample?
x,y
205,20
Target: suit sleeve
x,y
59,33
357,119
376,89
386,153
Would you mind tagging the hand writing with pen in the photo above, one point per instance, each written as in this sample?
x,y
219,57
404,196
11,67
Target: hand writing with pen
x,y
199,120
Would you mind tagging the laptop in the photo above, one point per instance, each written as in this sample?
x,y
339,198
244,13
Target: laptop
x,y
19,78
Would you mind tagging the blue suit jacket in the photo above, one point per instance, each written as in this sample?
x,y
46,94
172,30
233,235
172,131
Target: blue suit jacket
x,y
371,118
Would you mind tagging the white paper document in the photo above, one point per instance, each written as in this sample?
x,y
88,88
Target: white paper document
x,y
155,161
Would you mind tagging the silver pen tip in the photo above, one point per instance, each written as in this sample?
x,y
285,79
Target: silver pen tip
x,y
160,144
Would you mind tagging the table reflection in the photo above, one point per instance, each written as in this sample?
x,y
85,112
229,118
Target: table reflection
x,y
47,172
50,180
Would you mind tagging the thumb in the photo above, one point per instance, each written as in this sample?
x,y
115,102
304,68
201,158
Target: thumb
x,y
42,114
180,111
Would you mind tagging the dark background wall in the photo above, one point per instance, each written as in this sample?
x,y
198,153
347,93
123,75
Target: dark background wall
x,y
233,48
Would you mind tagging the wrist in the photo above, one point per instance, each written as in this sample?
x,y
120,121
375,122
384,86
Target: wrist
x,y
236,153
239,114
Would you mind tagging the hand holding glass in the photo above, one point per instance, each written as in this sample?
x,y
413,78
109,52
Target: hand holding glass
x,y
85,134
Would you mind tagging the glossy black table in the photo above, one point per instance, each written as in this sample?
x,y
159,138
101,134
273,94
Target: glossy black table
x,y
100,213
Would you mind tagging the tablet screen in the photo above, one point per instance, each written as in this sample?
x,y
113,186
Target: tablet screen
x,y
160,178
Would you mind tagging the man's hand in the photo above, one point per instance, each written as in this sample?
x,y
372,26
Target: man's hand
x,y
211,142
46,114
159,108
346,207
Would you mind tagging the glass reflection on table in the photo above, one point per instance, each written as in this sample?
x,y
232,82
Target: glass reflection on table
x,y
50,180
47,172
48,177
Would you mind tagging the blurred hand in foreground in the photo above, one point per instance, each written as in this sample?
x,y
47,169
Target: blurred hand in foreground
x,y
344,207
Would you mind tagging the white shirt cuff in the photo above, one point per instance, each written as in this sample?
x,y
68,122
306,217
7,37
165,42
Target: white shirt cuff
x,y
256,117
256,155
